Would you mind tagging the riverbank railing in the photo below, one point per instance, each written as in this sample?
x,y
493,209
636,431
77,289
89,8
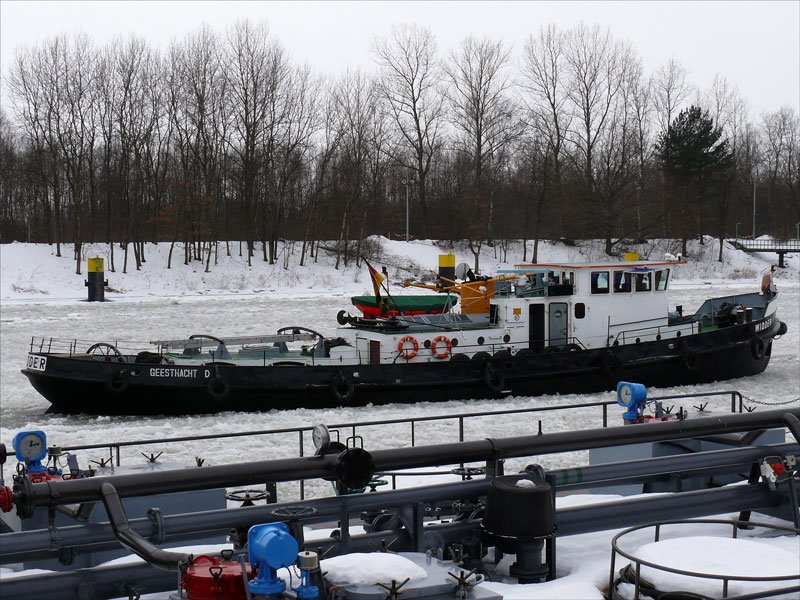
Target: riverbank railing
x,y
354,429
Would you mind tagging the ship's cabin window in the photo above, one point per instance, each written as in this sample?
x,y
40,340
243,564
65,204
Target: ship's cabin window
x,y
580,310
622,282
662,276
643,282
600,282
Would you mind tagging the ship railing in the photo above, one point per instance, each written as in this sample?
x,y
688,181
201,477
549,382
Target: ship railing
x,y
353,430
80,347
649,333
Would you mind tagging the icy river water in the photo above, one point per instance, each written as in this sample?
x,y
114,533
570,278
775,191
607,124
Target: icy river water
x,y
145,319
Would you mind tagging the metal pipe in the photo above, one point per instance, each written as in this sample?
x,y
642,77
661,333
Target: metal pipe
x,y
712,462
39,543
793,424
103,582
95,582
475,451
31,495
168,561
641,510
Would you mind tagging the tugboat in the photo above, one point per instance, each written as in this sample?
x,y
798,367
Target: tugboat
x,y
534,329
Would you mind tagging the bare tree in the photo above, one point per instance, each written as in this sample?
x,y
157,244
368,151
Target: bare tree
x,y
543,72
641,105
196,93
255,63
75,126
782,167
355,97
410,84
327,143
616,167
296,126
484,117
33,84
671,92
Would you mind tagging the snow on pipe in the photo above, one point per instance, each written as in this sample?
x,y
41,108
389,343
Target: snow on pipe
x,y
27,496
38,544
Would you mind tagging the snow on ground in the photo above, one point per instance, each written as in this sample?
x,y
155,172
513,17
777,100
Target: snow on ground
x,y
40,295
32,272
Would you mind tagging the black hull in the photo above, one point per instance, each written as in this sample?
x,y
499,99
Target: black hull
x,y
77,385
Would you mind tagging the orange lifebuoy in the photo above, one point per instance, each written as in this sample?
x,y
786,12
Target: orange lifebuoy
x,y
408,353
446,351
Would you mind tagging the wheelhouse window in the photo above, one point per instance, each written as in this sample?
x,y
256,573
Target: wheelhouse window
x,y
662,276
622,282
643,283
600,282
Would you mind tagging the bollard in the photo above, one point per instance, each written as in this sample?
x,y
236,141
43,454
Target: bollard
x,y
447,266
96,283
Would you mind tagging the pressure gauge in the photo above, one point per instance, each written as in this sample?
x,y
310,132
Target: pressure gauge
x,y
321,438
30,446
630,394
625,395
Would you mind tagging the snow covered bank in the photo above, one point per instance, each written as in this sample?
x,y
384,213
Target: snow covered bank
x,y
32,272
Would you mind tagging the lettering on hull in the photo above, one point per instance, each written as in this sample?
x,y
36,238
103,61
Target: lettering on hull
x,y
37,363
188,372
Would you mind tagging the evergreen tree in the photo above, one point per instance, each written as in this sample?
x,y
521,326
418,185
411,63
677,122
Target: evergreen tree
x,y
691,153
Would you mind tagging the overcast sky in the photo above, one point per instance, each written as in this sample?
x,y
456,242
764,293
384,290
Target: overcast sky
x,y
755,45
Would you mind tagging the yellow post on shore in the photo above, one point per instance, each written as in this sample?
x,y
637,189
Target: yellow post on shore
x,y
96,283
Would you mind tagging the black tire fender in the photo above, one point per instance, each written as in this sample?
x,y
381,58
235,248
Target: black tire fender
x,y
611,364
217,388
689,358
118,382
758,347
493,379
342,388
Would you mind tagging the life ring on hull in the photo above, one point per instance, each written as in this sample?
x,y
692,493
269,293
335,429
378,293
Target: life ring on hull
x,y
405,352
758,347
445,352
217,388
118,382
493,379
342,388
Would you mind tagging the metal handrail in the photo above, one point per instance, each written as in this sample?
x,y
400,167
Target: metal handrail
x,y
115,448
791,245
725,579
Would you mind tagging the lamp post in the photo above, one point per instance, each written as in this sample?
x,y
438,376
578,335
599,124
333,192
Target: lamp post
x,y
754,205
408,183
797,230
737,230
